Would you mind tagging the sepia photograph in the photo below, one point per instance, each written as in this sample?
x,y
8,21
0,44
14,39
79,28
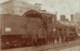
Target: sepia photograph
x,y
39,25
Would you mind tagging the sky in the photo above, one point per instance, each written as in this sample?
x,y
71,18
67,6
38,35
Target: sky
x,y
65,7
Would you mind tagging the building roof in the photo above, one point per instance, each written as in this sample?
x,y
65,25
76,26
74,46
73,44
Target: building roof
x,y
6,2
22,7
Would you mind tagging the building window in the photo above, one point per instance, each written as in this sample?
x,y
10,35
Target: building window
x,y
7,29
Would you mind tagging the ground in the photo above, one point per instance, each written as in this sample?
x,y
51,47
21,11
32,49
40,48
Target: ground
x,y
50,47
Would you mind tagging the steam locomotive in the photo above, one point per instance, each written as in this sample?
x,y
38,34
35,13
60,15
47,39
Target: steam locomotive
x,y
40,28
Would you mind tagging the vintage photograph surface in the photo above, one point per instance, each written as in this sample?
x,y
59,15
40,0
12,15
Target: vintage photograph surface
x,y
39,25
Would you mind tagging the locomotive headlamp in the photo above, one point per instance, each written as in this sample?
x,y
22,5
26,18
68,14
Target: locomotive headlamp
x,y
54,29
